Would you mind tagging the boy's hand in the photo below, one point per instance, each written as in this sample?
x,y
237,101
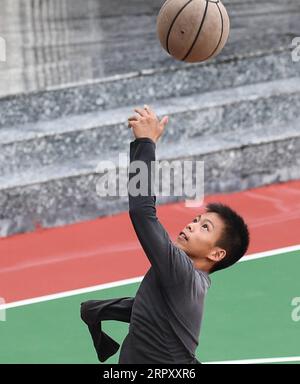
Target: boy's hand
x,y
146,124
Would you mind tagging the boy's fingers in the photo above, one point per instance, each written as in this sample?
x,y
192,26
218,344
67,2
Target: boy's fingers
x,y
165,121
148,109
141,111
133,118
131,123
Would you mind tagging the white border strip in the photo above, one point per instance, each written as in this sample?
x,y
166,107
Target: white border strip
x,y
71,293
258,361
119,283
273,252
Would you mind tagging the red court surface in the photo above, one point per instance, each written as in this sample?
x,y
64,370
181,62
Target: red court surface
x,y
105,250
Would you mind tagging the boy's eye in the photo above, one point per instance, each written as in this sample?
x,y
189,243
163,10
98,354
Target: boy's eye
x,y
205,225
195,220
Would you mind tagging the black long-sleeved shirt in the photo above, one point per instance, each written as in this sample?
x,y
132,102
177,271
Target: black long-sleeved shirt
x,y
167,310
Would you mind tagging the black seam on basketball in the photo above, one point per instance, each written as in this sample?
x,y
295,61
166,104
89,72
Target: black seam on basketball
x,y
199,30
222,30
173,22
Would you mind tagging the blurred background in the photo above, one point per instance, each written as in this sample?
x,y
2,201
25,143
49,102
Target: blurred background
x,y
76,69
74,72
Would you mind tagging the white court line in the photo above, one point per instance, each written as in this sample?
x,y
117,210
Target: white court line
x,y
71,293
258,361
273,252
119,283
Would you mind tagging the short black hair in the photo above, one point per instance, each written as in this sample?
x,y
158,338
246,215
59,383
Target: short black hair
x,y
235,236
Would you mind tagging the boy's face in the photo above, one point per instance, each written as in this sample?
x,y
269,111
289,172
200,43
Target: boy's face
x,y
198,239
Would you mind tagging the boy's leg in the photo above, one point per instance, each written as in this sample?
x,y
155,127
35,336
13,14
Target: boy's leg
x,y
94,311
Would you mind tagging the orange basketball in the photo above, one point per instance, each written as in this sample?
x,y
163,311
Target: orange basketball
x,y
193,30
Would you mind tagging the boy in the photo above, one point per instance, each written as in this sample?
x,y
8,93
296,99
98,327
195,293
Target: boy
x,y
165,315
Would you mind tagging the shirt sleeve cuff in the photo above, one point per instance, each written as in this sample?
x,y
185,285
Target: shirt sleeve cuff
x,y
144,140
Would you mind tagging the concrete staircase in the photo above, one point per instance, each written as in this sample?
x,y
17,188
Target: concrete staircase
x,y
239,113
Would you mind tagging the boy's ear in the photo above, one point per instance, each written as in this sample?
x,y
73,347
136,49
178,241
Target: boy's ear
x,y
217,254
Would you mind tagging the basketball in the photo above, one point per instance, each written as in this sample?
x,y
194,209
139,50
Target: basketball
x,y
193,30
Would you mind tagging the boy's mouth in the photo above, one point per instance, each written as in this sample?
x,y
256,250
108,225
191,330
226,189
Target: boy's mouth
x,y
182,235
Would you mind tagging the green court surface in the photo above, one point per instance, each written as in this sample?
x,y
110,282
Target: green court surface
x,y
248,315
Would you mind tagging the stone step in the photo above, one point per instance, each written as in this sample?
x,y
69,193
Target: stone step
x,y
99,134
149,85
66,193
